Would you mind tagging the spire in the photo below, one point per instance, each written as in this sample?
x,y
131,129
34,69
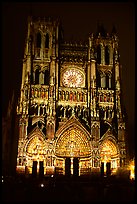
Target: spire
x,y
101,30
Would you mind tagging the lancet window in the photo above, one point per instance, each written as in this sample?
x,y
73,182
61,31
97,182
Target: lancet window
x,y
99,54
47,41
46,77
103,80
37,76
107,55
38,40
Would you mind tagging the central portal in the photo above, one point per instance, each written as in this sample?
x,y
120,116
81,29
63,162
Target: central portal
x,y
73,148
73,143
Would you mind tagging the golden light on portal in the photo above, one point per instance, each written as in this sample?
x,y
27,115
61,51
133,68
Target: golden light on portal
x,y
132,169
35,148
108,150
109,153
73,143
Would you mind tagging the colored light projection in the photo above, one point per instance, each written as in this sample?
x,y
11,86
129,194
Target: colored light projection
x,y
132,169
73,143
73,78
35,150
109,153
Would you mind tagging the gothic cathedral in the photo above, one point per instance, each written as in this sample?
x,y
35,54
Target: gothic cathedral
x,y
69,108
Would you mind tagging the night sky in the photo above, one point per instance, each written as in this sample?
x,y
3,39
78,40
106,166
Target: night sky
x,y
79,20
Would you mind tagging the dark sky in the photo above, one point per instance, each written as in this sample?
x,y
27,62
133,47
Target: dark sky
x,y
78,20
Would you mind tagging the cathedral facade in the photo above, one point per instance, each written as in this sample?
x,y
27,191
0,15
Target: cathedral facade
x,y
69,110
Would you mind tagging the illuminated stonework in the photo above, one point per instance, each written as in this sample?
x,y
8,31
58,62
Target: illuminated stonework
x,y
73,78
132,169
35,147
109,153
70,103
73,143
108,150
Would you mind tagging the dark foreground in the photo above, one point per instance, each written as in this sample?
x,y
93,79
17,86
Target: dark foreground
x,y
63,189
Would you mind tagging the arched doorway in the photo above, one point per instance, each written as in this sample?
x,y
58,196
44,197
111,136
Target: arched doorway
x,y
109,156
72,145
35,153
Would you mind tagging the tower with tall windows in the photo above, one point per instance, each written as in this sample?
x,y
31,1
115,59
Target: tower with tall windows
x,y
70,117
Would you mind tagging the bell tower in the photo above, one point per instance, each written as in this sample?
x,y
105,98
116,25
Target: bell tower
x,y
39,86
104,66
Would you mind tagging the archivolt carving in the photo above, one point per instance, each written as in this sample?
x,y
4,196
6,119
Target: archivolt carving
x,y
73,143
35,146
108,150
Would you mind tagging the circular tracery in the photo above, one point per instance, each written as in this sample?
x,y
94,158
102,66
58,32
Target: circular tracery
x,y
73,78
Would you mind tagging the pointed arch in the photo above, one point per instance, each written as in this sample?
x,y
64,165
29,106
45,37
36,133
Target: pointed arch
x,y
108,149
36,119
35,145
72,140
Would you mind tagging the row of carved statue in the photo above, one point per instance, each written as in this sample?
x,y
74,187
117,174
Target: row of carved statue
x,y
67,111
108,97
77,96
73,96
36,93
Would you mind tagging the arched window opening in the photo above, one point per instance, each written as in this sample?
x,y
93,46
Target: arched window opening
x,y
38,40
107,81
46,78
106,55
99,54
103,80
37,76
47,41
41,78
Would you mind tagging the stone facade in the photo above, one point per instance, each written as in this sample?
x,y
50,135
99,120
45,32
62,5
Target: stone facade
x,y
70,102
